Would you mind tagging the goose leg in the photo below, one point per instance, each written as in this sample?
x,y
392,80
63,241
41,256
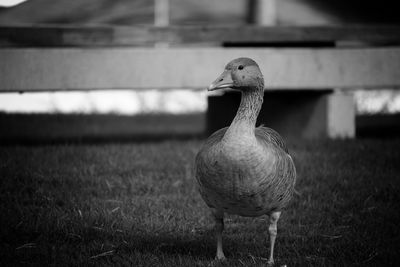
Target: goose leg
x,y
219,227
273,230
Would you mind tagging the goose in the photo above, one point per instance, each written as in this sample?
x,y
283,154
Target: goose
x,y
243,169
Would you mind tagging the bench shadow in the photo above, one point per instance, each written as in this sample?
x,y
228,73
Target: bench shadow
x,y
98,140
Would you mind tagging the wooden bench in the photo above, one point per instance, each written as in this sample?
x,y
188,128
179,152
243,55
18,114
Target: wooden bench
x,y
309,71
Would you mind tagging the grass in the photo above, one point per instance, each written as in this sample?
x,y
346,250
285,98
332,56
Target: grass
x,y
136,204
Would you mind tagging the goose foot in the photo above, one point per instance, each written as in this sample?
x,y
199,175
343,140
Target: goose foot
x,y
218,261
220,257
270,263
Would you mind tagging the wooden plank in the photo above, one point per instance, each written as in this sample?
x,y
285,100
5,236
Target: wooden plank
x,y
55,36
33,69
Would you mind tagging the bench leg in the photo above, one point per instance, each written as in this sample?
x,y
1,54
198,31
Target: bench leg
x,y
341,115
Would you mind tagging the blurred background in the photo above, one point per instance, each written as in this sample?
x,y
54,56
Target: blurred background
x,y
382,102
103,109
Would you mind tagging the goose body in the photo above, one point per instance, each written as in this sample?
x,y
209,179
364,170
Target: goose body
x,y
242,169
249,177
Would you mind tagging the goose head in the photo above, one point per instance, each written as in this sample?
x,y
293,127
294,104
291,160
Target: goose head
x,y
241,74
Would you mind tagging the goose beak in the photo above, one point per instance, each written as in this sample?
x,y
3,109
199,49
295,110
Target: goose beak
x,y
223,81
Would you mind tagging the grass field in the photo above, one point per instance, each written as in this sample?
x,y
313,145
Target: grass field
x,y
136,204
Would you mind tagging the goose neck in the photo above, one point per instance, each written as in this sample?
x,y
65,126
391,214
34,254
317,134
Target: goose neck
x,y
245,120
249,108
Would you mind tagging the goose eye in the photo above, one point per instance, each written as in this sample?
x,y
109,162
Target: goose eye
x,y
240,67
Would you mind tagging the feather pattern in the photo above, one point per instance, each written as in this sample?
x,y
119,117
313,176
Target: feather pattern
x,y
238,183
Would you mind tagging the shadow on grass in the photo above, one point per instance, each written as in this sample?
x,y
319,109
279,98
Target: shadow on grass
x,y
44,129
97,140
378,126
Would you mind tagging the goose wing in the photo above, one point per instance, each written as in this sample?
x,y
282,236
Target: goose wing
x,y
215,137
271,136
283,179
